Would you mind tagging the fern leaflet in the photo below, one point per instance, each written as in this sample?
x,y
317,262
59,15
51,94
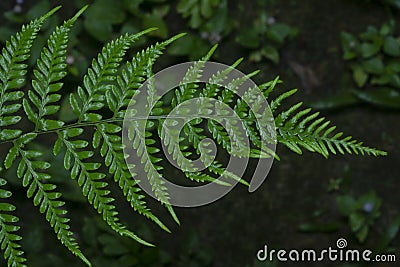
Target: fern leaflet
x,y
8,238
44,193
12,74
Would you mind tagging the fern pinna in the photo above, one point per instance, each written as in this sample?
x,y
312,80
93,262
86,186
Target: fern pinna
x,y
107,88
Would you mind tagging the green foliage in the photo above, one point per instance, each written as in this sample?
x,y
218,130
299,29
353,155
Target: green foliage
x,y
90,142
207,21
360,215
265,37
103,15
212,20
44,194
13,70
198,11
373,58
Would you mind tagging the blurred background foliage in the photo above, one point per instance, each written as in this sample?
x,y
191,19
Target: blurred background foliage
x,y
344,58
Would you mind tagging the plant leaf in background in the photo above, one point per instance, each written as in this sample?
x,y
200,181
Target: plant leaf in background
x,y
265,38
361,213
373,59
384,97
101,16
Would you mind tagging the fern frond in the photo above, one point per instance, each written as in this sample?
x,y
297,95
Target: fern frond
x,y
204,177
298,129
13,72
218,169
228,135
107,137
91,98
8,238
107,88
220,133
118,98
132,76
100,77
258,122
143,143
44,194
214,84
187,90
50,69
170,136
275,103
171,139
91,181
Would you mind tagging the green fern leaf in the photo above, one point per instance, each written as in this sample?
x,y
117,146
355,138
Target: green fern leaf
x,y
91,180
12,74
132,76
8,238
298,129
257,122
187,90
143,143
44,194
131,79
111,151
91,98
99,77
50,69
220,133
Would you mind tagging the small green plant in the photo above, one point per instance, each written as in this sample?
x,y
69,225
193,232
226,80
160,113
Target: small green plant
x,y
361,212
374,60
104,15
90,141
208,21
198,11
265,37
360,216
